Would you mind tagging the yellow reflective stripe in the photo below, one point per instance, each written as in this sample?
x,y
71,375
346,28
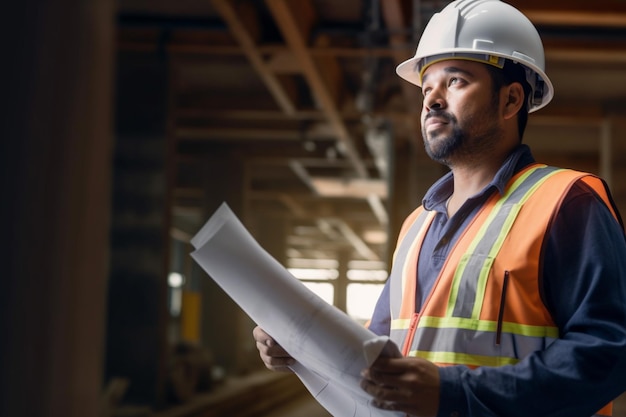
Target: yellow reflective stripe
x,y
481,325
487,326
400,324
463,358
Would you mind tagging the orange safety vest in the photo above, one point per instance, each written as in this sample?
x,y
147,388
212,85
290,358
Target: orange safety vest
x,y
485,308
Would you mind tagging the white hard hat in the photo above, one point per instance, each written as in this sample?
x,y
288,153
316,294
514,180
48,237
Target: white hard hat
x,y
487,31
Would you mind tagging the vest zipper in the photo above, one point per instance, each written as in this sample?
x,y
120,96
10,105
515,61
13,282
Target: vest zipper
x,y
410,334
505,283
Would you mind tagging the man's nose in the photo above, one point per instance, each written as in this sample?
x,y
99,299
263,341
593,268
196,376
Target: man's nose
x,y
434,100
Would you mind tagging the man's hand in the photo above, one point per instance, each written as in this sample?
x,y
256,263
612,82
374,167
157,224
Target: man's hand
x,y
410,385
272,354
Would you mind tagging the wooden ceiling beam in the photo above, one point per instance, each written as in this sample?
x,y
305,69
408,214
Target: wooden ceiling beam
x,y
591,113
576,18
585,114
283,62
331,70
273,160
596,50
294,26
240,31
393,15
589,55
583,6
248,114
193,111
248,134
294,207
597,13
352,237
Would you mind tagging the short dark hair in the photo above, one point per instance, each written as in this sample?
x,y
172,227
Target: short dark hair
x,y
509,74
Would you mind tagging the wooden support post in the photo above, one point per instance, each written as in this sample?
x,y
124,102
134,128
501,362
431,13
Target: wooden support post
x,y
55,155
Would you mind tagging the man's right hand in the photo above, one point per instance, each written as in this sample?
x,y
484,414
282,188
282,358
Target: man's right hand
x,y
272,354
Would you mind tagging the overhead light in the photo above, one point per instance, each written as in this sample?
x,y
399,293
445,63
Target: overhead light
x,y
314,273
351,188
375,237
312,263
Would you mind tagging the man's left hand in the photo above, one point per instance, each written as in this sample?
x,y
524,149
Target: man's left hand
x,y
410,385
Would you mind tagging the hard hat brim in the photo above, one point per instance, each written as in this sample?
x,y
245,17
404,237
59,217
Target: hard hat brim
x,y
413,69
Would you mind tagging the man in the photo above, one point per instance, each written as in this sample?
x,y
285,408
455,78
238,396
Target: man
x,y
507,296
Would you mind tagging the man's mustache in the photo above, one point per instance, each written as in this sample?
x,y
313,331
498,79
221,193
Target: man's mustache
x,y
440,114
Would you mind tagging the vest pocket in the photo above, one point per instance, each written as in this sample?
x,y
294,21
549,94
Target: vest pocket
x,y
505,283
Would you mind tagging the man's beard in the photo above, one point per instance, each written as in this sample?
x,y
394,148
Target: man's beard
x,y
463,142
445,146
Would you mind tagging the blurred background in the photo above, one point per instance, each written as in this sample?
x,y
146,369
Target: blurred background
x,y
126,124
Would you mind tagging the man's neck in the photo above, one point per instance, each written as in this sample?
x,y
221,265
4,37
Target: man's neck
x,y
471,178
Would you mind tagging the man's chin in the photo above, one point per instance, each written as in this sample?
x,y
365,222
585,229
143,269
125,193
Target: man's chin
x,y
438,150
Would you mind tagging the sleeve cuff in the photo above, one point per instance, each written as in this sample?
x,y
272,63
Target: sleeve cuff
x,y
452,402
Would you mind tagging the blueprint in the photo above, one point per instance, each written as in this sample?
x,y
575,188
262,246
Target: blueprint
x,y
330,347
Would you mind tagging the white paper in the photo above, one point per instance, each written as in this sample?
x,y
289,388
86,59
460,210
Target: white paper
x,y
330,348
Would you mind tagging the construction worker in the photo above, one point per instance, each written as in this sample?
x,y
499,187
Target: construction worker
x,y
507,295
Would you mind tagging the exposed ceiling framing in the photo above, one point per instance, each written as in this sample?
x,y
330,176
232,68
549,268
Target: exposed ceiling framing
x,y
305,93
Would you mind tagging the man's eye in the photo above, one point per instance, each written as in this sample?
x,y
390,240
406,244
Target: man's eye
x,y
455,81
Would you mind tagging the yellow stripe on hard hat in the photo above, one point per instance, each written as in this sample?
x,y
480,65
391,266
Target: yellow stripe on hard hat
x,y
492,60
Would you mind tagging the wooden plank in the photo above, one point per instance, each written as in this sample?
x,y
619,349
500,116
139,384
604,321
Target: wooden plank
x,y
248,396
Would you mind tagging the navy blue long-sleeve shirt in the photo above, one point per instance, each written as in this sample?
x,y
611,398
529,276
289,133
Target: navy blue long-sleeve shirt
x,y
583,285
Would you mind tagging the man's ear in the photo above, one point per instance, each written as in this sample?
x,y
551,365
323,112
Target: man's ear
x,y
513,99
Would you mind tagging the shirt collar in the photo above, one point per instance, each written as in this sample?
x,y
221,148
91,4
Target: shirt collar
x,y
438,194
